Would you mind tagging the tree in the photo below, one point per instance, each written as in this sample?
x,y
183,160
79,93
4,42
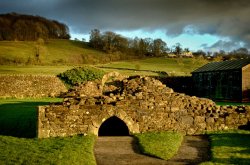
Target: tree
x,y
178,49
186,50
95,39
120,43
199,53
142,47
159,47
242,51
108,39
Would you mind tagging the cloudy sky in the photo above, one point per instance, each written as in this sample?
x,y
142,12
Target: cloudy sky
x,y
197,24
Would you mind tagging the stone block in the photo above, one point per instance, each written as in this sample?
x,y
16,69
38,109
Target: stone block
x,y
74,107
199,119
210,120
174,109
187,120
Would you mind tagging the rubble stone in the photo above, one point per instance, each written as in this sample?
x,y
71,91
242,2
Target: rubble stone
x,y
142,103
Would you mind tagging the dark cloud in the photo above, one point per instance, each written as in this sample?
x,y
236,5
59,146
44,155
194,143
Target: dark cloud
x,y
223,45
228,18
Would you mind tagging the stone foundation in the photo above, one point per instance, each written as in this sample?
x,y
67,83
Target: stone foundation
x,y
142,103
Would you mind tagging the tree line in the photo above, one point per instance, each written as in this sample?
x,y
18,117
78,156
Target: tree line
x,y
111,42
21,27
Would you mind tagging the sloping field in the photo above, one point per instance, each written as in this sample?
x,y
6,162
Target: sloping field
x,y
50,53
150,66
147,66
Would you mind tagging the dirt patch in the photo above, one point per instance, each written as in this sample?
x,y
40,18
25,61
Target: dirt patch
x,y
124,151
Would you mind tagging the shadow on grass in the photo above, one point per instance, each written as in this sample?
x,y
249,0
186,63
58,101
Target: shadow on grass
x,y
231,140
19,119
234,146
241,161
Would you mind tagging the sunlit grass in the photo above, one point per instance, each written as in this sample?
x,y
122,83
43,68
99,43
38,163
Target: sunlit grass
x,y
173,66
36,70
70,150
163,145
147,67
52,51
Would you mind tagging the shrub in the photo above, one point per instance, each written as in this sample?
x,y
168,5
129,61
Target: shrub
x,y
81,74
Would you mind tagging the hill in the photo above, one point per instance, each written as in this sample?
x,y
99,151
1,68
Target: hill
x,y
56,56
53,52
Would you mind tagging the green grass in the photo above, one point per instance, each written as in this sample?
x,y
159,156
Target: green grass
x,y
18,116
52,52
160,144
34,70
137,67
230,147
71,150
173,66
18,144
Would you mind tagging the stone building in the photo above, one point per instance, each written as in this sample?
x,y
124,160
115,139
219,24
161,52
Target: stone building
x,y
227,80
134,105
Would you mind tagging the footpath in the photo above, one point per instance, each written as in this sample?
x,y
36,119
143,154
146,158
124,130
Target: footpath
x,y
124,151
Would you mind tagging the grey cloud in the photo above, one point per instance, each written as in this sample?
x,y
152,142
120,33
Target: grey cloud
x,y
229,18
223,45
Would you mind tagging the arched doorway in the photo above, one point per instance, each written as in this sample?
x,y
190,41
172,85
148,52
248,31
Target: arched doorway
x,y
113,127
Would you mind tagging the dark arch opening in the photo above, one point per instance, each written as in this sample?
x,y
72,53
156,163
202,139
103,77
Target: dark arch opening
x,y
113,127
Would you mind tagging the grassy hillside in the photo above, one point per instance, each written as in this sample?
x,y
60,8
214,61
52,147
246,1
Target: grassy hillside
x,y
174,67
50,53
56,56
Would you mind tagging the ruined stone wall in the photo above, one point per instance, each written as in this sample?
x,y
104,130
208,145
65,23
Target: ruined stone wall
x,y
21,86
143,103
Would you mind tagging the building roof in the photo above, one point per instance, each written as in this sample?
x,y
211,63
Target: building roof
x,y
224,65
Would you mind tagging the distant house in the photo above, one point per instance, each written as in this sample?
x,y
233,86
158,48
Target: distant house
x,y
187,54
171,55
227,80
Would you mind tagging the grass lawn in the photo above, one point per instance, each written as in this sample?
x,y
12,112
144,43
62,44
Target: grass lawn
x,y
148,66
230,147
34,70
160,144
70,150
18,144
18,117
173,66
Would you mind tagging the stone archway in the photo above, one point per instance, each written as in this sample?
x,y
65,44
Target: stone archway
x,y
113,126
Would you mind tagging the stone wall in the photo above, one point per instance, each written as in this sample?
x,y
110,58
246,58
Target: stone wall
x,y
143,103
21,86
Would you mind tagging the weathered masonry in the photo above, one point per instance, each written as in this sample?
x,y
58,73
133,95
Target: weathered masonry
x,y
227,80
134,105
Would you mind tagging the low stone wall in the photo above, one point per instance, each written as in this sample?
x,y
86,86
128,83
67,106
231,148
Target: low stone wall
x,y
143,104
21,86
